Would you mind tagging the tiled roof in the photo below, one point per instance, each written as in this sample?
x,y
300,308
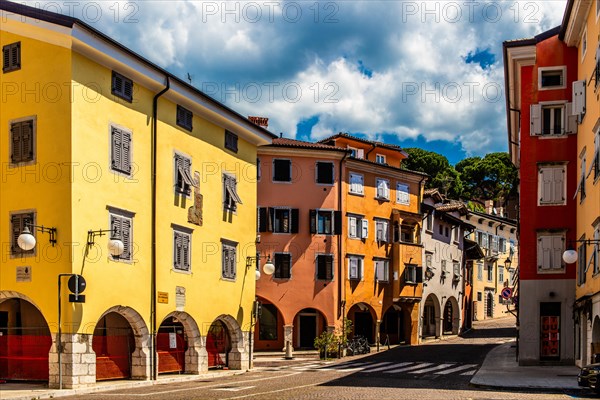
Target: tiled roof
x,y
451,205
286,142
373,142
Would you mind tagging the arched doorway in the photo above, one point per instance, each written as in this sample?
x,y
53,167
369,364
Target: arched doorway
x,y
171,345
362,319
269,332
25,341
218,345
309,323
431,317
489,305
451,317
392,329
113,342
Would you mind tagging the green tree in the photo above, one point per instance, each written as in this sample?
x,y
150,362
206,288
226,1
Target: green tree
x,y
491,177
443,176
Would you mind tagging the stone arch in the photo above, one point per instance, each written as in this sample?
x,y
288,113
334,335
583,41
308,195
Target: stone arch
x,y
430,326
10,294
271,331
195,352
451,317
141,356
239,353
395,325
364,319
309,322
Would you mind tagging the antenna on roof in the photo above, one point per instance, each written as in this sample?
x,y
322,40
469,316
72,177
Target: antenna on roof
x,y
280,135
189,78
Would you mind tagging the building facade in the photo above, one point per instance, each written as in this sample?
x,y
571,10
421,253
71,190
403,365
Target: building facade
x,y
541,115
580,31
106,145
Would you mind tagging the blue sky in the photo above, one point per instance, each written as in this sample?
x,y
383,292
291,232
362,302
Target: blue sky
x,y
415,73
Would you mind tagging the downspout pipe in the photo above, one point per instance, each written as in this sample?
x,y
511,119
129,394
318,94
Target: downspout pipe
x,y
153,151
341,292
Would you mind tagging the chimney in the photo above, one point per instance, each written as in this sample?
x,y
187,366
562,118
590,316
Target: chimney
x,y
489,206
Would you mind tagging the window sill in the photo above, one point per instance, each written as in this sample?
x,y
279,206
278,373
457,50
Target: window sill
x,y
357,194
228,279
382,199
288,182
182,271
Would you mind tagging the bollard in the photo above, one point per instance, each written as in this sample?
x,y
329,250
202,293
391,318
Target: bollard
x,y
288,350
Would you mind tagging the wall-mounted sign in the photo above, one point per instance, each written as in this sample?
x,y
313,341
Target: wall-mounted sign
x,y
163,297
24,273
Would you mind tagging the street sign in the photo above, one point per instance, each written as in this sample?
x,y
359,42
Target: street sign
x,y
76,284
506,293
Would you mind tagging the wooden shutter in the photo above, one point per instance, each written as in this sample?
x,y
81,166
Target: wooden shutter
x,y
557,251
353,268
294,216
117,83
116,148
328,267
579,99
536,120
559,184
287,266
278,265
402,194
546,177
6,58
337,222
16,222
262,219
313,221
126,155
360,153
352,229
27,140
177,250
544,252
364,228
571,123
126,237
379,270
271,222
17,140
128,89
419,274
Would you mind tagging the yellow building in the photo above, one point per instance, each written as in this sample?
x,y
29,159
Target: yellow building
x,y
580,29
497,238
101,144
381,246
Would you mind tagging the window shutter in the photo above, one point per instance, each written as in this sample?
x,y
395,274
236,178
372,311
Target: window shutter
x,y
287,266
6,57
571,119
126,143
17,140
115,148
360,153
185,252
352,230
271,221
353,268
294,215
177,250
546,177
27,140
559,185
419,274
128,89
328,268
536,121
16,226
278,265
364,228
337,222
579,99
262,219
117,83
313,221
557,251
126,238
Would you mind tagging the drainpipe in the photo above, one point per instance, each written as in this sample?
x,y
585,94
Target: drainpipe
x,y
369,152
153,151
341,291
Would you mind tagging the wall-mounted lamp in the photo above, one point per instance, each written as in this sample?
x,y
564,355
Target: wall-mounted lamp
x,y
570,255
268,268
115,245
26,240
507,263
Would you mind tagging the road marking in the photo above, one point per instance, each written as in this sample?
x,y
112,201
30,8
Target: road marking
x,y
235,389
434,368
469,372
459,368
418,366
378,366
394,365
271,391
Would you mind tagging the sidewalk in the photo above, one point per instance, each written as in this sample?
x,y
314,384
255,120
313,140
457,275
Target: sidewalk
x,y
501,370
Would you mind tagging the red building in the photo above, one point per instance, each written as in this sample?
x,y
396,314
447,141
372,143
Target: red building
x,y
539,75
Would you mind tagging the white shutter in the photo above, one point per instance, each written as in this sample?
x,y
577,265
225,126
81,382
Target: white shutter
x,y
353,268
365,228
557,251
386,189
352,226
545,252
571,119
402,196
536,120
579,99
360,153
546,177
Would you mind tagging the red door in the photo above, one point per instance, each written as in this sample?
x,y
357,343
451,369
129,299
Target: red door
x,y
218,345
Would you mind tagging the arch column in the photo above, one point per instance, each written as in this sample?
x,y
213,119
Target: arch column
x,y
78,361
288,337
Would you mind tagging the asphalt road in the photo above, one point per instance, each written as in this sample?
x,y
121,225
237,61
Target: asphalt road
x,y
437,370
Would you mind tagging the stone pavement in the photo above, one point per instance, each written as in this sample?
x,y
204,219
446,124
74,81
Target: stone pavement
x,y
501,370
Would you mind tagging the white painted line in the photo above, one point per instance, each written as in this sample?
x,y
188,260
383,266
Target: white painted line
x,y
235,389
378,366
394,365
434,368
418,366
271,391
469,372
459,368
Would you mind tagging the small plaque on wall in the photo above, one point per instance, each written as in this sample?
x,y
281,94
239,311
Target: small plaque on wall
x,y
24,273
163,297
179,298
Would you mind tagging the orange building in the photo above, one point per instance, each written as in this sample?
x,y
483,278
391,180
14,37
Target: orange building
x,y
381,243
300,228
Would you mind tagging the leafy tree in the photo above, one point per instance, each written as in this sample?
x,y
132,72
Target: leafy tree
x,y
491,177
443,176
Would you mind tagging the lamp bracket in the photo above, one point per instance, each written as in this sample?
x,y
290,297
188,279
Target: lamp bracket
x,y
44,229
91,238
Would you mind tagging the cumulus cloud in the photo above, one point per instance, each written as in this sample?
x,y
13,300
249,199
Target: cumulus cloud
x,y
377,68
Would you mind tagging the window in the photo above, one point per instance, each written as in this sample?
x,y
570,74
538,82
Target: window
x,y
582,171
413,274
579,99
380,159
281,218
382,271
407,232
357,227
553,119
325,173
325,222
455,270
501,273
122,228
489,268
596,250
446,231
456,234
325,267
382,230
230,196
182,243
551,77
18,221
231,141
551,184
549,252
184,118
122,87
402,194
283,266
22,139
258,169
183,177
596,157
581,263
383,189
443,268
355,268
479,270
228,267
356,183
11,57
502,245
278,219
479,296
494,244
583,43
429,222
267,322
120,154
282,170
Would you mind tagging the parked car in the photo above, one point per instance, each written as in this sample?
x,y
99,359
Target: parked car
x,y
589,377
